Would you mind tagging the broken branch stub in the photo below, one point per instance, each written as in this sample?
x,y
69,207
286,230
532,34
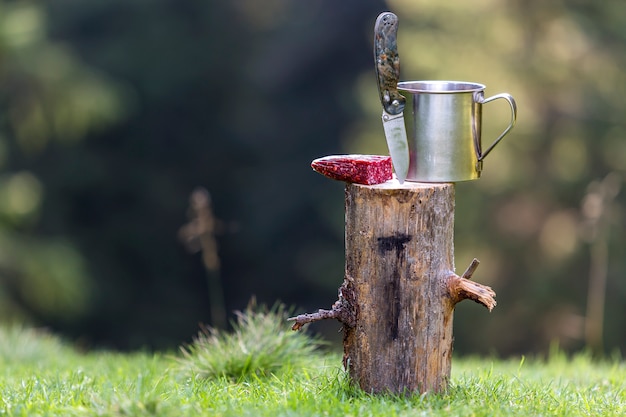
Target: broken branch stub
x,y
342,310
462,288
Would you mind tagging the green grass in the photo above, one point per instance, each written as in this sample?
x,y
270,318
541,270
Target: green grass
x,y
41,376
260,344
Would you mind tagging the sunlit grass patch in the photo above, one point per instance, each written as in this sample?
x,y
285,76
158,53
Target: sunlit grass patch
x,y
260,344
20,344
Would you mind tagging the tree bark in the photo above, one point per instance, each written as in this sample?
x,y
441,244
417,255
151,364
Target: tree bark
x,y
400,260
400,289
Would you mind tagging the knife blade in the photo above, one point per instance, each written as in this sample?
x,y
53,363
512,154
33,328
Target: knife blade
x,y
388,74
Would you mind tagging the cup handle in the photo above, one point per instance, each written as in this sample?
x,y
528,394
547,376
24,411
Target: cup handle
x,y
511,102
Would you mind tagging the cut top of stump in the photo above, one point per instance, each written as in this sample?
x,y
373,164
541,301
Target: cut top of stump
x,y
394,184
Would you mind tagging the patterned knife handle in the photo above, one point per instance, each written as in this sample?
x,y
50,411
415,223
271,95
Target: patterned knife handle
x,y
388,62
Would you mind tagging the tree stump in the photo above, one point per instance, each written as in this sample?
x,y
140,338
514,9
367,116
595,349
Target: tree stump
x,y
400,289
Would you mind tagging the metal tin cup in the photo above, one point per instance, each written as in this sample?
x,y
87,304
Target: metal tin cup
x,y
446,129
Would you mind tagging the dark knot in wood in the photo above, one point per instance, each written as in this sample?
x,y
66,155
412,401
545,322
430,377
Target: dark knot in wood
x,y
395,243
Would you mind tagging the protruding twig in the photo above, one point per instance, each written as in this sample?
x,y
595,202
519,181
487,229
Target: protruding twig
x,y
303,319
471,269
461,288
341,310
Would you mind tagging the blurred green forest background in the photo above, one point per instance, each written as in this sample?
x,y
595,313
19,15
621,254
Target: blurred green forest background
x,y
112,112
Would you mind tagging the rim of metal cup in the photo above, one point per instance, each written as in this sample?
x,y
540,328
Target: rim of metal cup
x,y
438,86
